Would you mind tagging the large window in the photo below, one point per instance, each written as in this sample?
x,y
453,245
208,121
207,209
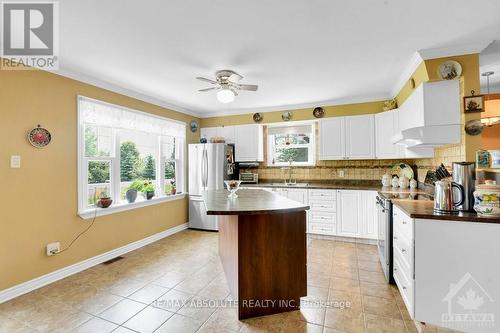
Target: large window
x,y
291,145
122,149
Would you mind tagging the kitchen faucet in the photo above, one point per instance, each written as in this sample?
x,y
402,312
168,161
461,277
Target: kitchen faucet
x,y
290,170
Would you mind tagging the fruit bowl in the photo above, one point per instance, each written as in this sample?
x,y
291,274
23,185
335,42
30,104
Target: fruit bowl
x,y
232,187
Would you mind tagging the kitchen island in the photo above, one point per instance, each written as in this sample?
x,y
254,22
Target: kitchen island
x,y
262,246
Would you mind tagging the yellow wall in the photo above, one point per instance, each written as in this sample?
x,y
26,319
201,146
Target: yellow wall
x,y
419,75
39,201
299,114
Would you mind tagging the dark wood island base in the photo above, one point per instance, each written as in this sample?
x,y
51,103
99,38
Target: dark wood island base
x,y
263,251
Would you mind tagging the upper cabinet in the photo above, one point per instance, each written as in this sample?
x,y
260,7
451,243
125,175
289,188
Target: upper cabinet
x,y
248,140
248,143
332,138
343,138
386,125
359,137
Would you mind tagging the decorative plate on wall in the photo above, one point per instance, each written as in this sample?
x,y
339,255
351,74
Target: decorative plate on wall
x,y
474,127
286,116
257,117
318,112
39,137
449,70
194,126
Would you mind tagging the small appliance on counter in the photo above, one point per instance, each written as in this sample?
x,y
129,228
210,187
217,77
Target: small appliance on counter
x,y
249,177
446,199
464,174
245,174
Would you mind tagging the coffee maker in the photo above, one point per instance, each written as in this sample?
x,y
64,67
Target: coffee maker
x,y
464,174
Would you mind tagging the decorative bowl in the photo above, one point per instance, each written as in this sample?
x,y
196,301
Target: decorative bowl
x,y
486,200
104,202
232,187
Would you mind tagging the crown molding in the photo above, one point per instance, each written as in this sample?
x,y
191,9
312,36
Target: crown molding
x,y
291,107
412,65
455,50
116,88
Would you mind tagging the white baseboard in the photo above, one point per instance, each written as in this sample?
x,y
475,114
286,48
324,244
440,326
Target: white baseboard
x,y
51,277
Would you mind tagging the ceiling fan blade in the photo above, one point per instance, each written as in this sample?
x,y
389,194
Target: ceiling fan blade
x,y
234,78
208,89
249,87
206,80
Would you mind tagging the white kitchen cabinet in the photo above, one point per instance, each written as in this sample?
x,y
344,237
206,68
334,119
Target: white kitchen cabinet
x,y
368,208
332,138
349,213
343,138
249,145
322,217
386,125
298,194
227,132
360,137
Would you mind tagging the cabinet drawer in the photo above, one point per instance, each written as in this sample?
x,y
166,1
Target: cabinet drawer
x,y
323,194
403,224
322,205
321,228
405,285
404,254
322,217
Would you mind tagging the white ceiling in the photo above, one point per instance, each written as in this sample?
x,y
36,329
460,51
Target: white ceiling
x,y
299,52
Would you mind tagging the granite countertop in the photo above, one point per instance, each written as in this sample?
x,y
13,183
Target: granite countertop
x,y
249,202
337,185
419,209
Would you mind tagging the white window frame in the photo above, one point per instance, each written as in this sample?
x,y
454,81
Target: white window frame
x,y
84,210
271,147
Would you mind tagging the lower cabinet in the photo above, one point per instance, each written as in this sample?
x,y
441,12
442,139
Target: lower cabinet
x,y
349,212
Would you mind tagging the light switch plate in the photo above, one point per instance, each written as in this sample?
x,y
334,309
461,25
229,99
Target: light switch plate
x,y
15,161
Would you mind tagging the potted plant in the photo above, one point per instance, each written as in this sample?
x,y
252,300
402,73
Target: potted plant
x,y
104,200
173,189
132,190
149,190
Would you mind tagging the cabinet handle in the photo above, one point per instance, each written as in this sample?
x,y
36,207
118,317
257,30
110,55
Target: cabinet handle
x,y
394,214
395,238
404,222
404,288
403,250
395,269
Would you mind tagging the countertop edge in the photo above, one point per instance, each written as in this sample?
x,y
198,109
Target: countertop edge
x,y
259,212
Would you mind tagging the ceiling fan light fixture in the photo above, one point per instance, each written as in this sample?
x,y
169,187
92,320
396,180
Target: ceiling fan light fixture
x,y
225,96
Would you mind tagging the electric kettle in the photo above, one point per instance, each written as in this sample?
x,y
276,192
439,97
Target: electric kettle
x,y
445,199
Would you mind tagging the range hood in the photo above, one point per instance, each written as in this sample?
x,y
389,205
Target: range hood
x,y
428,136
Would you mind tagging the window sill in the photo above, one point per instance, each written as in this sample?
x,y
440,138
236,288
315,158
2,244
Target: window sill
x,y
90,213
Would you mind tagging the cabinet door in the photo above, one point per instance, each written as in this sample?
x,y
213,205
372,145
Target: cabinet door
x,y
248,143
227,132
348,212
299,195
360,137
208,133
332,138
386,125
369,214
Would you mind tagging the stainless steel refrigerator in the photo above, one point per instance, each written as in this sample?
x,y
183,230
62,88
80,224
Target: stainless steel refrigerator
x,y
209,165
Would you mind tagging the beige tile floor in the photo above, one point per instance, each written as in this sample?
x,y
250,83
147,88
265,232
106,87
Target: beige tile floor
x,y
177,285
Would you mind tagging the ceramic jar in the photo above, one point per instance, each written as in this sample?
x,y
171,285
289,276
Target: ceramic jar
x,y
404,182
386,180
395,182
486,200
413,184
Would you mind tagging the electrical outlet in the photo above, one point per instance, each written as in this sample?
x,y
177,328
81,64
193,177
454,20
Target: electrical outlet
x,y
53,248
341,174
15,161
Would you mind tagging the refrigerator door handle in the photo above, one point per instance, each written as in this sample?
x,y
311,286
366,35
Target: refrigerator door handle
x,y
205,169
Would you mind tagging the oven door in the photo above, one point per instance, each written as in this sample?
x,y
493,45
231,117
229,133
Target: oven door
x,y
383,242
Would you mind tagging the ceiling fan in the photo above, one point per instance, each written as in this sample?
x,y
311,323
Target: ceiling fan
x,y
226,82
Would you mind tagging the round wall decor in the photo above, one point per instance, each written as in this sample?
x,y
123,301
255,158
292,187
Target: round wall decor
x,y
257,117
449,70
286,116
474,127
39,137
193,125
318,112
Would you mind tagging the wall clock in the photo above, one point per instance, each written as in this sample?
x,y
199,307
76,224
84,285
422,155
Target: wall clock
x,y
39,137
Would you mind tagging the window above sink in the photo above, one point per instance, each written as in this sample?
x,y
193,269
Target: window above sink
x,y
291,145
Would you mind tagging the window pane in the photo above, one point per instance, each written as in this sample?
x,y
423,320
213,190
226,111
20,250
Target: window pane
x,y
138,152
287,139
99,175
169,177
292,154
98,141
168,147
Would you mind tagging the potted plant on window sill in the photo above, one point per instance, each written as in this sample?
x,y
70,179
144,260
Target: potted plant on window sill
x,y
104,200
131,194
149,190
173,189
